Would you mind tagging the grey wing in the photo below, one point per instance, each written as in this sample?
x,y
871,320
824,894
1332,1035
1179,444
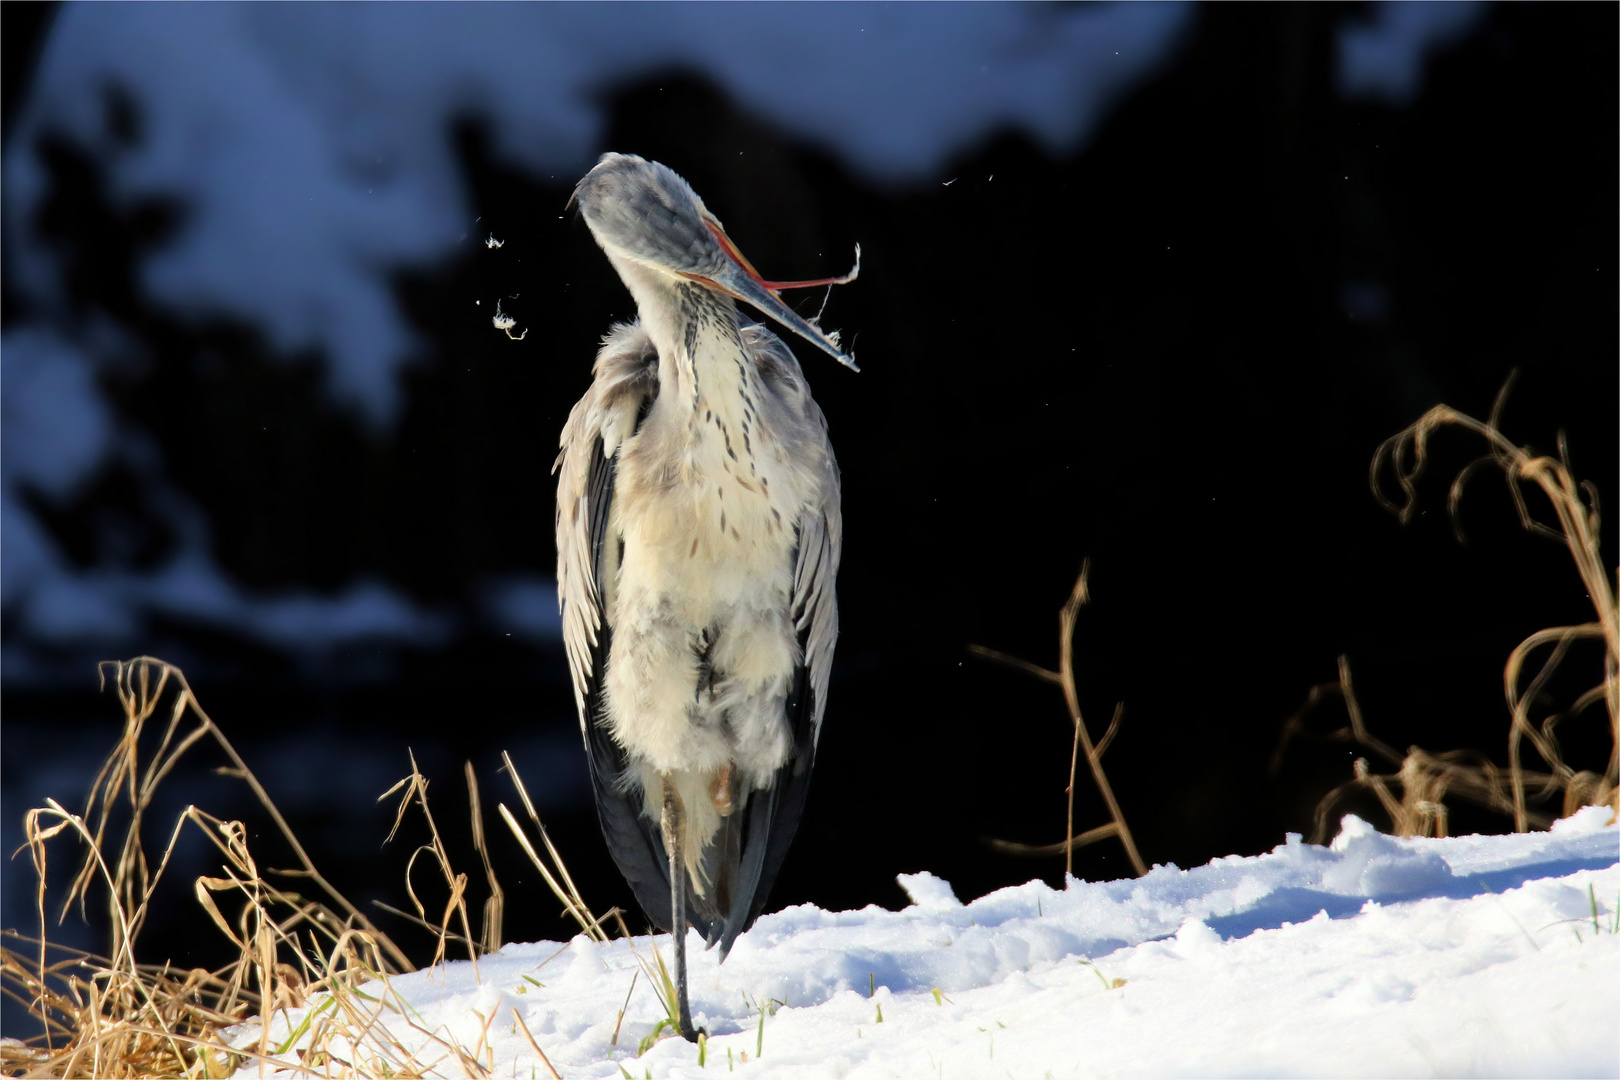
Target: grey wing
x,y
756,840
625,386
815,601
820,527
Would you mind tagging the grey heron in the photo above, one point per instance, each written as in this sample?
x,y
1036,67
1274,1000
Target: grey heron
x,y
698,536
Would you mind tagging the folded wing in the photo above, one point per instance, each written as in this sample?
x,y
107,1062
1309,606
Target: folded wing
x,y
624,388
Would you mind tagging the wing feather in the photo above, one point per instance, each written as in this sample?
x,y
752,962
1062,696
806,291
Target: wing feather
x,y
625,385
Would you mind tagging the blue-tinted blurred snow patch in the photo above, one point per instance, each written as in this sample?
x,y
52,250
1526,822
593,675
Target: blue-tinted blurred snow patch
x,y
524,605
193,588
309,141
55,426
64,606
1382,57
56,432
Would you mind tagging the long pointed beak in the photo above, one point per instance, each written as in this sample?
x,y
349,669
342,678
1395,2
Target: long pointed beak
x,y
742,281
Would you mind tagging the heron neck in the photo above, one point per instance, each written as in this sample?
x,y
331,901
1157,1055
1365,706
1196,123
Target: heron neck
x,y
701,361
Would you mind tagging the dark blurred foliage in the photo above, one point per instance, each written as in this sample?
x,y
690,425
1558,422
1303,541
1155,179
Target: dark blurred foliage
x,y
1173,353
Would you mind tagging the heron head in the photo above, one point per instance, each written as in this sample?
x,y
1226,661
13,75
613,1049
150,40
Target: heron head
x,y
643,211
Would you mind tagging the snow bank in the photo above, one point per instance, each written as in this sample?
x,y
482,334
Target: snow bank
x,y
1473,955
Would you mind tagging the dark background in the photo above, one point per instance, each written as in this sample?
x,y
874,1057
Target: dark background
x,y
1173,352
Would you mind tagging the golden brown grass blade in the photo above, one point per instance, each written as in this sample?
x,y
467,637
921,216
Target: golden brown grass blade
x,y
1090,836
586,924
416,786
1575,508
1427,779
614,1041
1064,678
115,1016
541,1054
495,904
545,837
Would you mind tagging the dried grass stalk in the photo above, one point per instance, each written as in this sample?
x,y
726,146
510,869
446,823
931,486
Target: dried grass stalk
x,y
1575,507
416,786
112,1016
1064,678
1426,779
495,904
561,883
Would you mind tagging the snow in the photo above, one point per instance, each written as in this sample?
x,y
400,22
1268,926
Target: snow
x,y
1375,956
55,433
1383,57
525,605
308,147
309,141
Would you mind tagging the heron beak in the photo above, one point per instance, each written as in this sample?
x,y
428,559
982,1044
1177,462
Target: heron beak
x,y
740,280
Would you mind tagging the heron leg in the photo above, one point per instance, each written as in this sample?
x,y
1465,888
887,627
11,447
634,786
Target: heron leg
x,y
672,824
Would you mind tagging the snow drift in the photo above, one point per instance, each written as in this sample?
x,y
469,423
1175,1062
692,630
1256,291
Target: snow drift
x,y
1492,955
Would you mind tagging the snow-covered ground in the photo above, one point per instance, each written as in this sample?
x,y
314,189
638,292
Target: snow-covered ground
x,y
1376,956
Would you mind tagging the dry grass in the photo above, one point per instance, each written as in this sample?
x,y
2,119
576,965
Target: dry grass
x,y
1064,678
114,1016
415,787
562,886
1425,780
